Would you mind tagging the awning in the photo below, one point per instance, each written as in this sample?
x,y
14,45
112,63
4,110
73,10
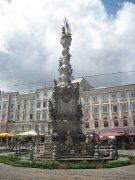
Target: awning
x,y
131,134
7,135
116,134
103,138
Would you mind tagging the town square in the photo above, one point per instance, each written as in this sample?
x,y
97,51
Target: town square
x,y
67,94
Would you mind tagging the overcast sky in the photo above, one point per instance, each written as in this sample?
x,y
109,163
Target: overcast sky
x,y
103,36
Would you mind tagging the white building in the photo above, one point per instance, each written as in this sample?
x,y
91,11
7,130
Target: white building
x,y
32,108
32,111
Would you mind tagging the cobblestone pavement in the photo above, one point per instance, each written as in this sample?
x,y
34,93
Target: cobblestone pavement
x,y
13,173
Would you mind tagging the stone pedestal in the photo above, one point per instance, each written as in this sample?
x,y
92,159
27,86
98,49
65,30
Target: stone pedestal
x,y
61,128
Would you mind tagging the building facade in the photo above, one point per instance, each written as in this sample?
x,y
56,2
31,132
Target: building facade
x,y
109,109
32,111
7,111
104,109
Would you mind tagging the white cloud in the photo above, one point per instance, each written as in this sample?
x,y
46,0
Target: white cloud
x,y
30,34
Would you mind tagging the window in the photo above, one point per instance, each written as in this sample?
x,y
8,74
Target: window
x,y
49,126
123,95
38,104
29,127
44,115
31,116
115,108
12,106
3,127
42,127
22,127
124,122
18,117
132,94
26,126
38,115
87,124
86,100
36,127
24,106
113,96
95,109
12,97
86,110
116,123
45,104
104,97
106,124
124,107
24,116
4,106
94,99
133,107
11,116
105,108
96,124
3,116
31,105
18,106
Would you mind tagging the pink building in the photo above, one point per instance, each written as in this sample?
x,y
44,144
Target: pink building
x,y
7,110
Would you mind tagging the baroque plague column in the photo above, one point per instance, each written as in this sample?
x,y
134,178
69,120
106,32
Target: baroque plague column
x,y
65,110
66,137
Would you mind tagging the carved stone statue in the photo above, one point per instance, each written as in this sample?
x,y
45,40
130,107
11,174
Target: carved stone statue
x,y
51,110
79,111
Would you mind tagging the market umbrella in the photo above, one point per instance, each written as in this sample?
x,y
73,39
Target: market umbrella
x,y
28,134
7,135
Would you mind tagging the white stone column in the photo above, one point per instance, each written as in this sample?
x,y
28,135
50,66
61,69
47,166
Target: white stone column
x,y
119,113
130,122
110,111
15,108
1,107
100,115
91,114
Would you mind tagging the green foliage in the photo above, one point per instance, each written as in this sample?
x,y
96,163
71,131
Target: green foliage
x,y
37,164
7,159
85,165
10,157
116,163
24,153
22,163
122,161
81,165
